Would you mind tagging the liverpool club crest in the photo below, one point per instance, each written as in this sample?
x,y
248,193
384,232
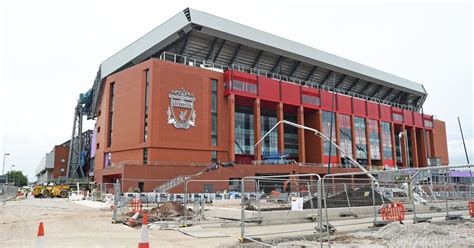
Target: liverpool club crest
x,y
181,111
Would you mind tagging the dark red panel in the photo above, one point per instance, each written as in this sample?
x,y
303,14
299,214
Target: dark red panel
x,y
313,93
418,120
359,107
428,119
268,89
408,117
291,93
244,77
326,100
344,104
385,113
373,110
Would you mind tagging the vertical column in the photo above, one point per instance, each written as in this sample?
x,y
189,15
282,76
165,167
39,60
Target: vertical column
x,y
423,156
281,130
231,106
301,140
379,125
319,141
392,138
414,147
256,128
367,137
338,137
432,143
354,151
404,147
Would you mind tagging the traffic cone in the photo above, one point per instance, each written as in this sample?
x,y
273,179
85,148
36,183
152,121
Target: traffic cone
x,y
143,242
40,236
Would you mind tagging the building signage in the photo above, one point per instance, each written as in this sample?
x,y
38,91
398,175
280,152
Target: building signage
x,y
181,113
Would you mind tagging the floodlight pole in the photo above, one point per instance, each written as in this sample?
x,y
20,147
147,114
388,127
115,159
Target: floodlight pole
x,y
317,133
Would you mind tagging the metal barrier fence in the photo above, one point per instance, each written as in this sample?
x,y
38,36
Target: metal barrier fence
x,y
335,200
7,192
418,194
280,199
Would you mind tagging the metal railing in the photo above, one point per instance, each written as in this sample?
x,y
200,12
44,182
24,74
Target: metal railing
x,y
176,58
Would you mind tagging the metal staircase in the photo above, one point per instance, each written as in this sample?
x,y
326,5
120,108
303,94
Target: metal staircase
x,y
165,187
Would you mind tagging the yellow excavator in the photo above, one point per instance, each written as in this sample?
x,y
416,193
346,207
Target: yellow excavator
x,y
46,191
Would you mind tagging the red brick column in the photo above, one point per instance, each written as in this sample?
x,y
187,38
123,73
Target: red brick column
x,y
231,106
414,147
281,130
301,140
257,129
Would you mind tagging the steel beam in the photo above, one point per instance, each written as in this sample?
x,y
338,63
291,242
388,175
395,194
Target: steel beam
x,y
340,81
326,77
257,59
295,68
277,64
218,51
376,91
399,96
183,48
236,53
387,93
310,74
353,84
365,87
211,49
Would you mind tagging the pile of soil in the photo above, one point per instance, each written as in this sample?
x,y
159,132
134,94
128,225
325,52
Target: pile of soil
x,y
359,197
171,209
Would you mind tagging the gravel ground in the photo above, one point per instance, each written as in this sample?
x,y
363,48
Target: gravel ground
x,y
455,234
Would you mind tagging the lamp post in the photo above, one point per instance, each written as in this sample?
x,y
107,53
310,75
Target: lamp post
x,y
11,174
3,167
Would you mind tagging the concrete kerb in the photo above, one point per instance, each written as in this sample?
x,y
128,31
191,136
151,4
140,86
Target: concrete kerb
x,y
280,178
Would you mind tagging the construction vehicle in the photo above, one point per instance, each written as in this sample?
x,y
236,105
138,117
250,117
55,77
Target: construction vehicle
x,y
46,191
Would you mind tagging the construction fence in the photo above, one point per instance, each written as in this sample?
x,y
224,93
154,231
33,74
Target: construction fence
x,y
7,192
321,204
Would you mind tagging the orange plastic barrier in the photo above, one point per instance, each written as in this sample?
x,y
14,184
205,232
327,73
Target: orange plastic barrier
x,y
393,211
136,205
471,208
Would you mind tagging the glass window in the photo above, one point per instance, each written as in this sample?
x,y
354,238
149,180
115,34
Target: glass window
x,y
111,113
374,139
360,138
145,128
308,99
244,86
107,159
327,116
291,137
387,141
397,117
145,156
268,119
214,112
244,134
214,156
345,132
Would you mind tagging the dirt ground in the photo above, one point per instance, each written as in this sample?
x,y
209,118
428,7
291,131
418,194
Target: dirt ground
x,y
68,224
84,224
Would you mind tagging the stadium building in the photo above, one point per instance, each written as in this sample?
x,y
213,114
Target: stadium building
x,y
193,96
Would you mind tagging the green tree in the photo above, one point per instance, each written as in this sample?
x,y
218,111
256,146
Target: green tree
x,y
17,178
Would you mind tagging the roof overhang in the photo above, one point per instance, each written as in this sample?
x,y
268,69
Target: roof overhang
x,y
188,20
